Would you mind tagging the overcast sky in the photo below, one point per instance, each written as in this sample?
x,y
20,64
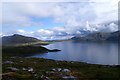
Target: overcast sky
x,y
52,20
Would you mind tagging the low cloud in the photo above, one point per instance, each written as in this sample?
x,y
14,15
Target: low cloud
x,y
60,32
91,15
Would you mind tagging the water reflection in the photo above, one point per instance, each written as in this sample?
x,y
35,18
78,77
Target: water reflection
x,y
96,53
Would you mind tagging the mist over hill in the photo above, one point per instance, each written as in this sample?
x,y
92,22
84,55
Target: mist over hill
x,y
99,36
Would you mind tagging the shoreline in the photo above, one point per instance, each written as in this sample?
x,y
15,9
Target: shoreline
x,y
78,62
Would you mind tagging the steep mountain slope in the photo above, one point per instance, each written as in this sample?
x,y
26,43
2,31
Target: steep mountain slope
x,y
100,36
115,36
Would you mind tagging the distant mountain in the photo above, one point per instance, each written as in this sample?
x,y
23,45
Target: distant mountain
x,y
18,39
115,36
100,36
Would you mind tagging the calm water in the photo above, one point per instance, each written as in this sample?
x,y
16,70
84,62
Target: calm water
x,y
95,53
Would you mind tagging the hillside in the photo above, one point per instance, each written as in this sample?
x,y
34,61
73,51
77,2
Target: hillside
x,y
17,39
115,36
100,36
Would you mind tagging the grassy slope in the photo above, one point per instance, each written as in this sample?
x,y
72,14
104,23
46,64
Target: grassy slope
x,y
83,71
16,50
20,40
34,43
25,50
29,43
